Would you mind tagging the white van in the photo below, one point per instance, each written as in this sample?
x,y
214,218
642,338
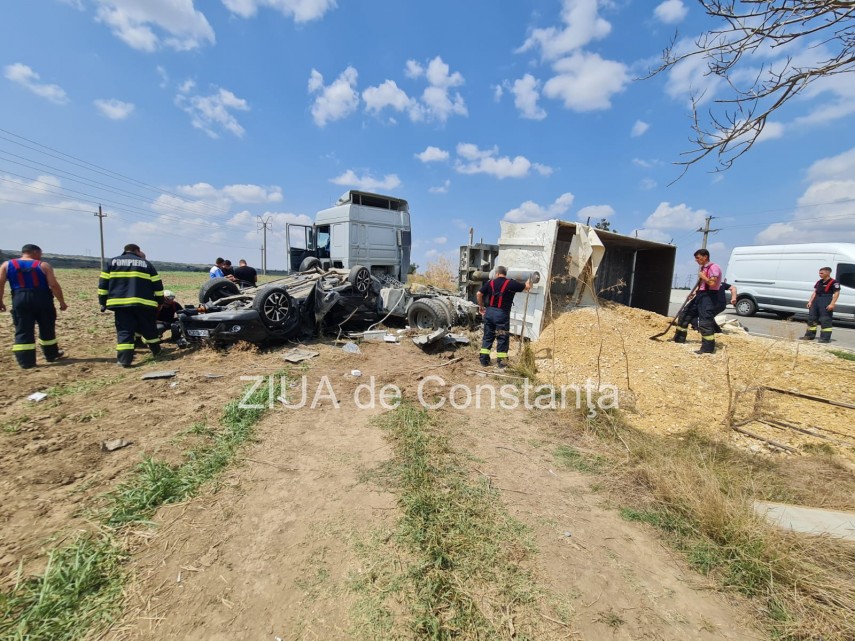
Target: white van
x,y
780,278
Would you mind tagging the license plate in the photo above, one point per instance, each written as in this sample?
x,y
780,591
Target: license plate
x,y
203,333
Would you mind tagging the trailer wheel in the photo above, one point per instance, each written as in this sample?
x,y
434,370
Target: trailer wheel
x,y
746,307
309,263
276,308
427,314
217,288
360,279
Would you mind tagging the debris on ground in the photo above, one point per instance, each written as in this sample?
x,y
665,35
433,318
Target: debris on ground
x,y
114,444
37,396
151,376
297,355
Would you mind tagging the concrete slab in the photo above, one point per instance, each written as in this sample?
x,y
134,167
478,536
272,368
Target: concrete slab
x,y
809,520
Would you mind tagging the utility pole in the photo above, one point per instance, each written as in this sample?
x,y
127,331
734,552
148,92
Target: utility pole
x,y
263,225
101,216
706,231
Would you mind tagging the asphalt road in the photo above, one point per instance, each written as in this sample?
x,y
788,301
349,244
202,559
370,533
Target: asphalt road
x,y
762,324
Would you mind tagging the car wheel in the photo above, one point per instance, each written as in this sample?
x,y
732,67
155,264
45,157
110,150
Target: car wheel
x,y
746,307
309,263
217,288
276,308
360,279
427,314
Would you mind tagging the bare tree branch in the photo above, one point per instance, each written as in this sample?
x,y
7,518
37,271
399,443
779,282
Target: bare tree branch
x,y
751,30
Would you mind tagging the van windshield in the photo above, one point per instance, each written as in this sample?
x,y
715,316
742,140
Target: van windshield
x,y
846,274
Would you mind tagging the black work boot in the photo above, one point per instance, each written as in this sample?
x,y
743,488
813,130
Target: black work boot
x,y
825,337
125,357
484,360
680,337
707,347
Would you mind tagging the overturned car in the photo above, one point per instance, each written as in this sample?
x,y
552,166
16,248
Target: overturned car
x,y
305,303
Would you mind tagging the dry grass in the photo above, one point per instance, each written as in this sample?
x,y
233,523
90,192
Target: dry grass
x,y
441,273
700,492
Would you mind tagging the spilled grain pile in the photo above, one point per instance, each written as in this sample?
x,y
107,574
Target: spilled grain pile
x,y
666,387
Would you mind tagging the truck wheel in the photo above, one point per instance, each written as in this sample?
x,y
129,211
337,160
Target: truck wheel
x,y
217,288
360,279
746,307
427,314
450,308
309,263
276,308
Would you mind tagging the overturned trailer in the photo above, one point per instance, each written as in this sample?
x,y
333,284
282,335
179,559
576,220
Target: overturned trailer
x,y
578,265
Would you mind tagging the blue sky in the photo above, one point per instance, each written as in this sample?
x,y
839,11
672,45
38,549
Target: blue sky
x,y
186,120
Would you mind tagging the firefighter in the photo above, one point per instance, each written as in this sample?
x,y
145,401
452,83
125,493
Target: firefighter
x,y
689,316
132,289
826,291
709,278
34,287
499,294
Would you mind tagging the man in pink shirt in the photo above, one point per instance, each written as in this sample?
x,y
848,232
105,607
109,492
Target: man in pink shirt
x,y
709,277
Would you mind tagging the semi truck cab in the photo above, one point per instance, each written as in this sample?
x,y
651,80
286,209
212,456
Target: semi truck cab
x,y
362,228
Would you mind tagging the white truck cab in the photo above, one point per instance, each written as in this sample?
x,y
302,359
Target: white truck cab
x,y
362,228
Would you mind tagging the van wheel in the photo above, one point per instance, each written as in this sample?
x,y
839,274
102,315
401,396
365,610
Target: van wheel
x,y
746,307
784,315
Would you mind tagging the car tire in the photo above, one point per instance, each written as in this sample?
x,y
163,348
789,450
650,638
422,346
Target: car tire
x,y
277,309
427,314
309,263
745,307
360,280
217,288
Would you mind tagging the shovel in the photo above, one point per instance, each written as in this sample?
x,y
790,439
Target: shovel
x,y
680,311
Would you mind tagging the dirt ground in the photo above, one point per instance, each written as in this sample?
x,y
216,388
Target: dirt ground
x,y
270,552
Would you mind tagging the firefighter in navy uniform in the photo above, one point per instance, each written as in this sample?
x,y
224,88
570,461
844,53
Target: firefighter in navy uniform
x,y
499,296
826,291
708,297
34,287
131,288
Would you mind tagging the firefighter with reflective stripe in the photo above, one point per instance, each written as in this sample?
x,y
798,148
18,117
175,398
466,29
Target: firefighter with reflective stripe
x,y
826,291
710,278
689,316
495,299
131,288
34,287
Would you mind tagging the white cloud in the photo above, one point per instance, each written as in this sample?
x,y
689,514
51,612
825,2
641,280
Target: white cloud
x,y
442,189
432,154
595,213
300,10
164,76
147,25
473,160
413,69
647,184
26,77
440,240
824,210
640,162
526,92
210,113
690,77
498,92
586,82
114,109
671,11
336,100
677,217
238,193
543,170
389,94
582,24
530,211
639,128
655,235
438,99
367,182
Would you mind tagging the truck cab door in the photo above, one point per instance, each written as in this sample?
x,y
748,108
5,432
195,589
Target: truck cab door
x,y
300,243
